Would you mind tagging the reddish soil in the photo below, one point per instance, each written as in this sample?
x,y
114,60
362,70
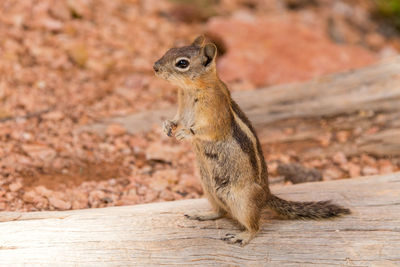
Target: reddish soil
x,y
74,175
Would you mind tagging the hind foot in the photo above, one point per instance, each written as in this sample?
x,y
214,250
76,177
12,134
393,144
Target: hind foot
x,y
242,238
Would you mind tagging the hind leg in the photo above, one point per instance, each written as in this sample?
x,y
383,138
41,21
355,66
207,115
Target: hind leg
x,y
245,210
250,221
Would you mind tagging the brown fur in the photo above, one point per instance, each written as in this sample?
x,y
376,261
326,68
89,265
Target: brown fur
x,y
232,167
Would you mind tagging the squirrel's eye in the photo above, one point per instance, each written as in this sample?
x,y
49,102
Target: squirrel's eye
x,y
182,64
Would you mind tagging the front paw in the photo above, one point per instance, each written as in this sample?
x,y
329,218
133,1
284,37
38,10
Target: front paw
x,y
183,134
169,127
206,216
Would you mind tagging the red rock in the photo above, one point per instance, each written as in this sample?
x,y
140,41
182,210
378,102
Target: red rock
x,y
107,147
288,183
159,151
30,196
385,166
368,160
3,206
115,130
190,183
131,197
80,199
122,146
34,198
10,196
134,82
59,203
16,159
288,130
142,190
372,130
130,200
332,173
368,170
80,8
40,152
353,169
315,163
76,205
42,203
79,54
388,51
150,196
166,195
324,139
375,40
96,195
15,186
272,167
169,175
177,196
339,158
52,24
27,136
60,10
386,169
54,115
278,50
137,141
342,136
58,163
159,184
43,191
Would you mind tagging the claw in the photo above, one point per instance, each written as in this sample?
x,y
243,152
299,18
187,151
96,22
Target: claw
x,y
169,127
191,217
182,134
233,239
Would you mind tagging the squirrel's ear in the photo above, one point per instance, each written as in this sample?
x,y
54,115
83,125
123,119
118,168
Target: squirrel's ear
x,y
210,52
199,41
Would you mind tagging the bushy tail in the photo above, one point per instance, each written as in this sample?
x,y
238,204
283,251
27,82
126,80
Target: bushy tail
x,y
305,210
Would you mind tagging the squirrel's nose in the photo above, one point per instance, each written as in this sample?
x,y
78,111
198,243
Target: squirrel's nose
x,y
156,67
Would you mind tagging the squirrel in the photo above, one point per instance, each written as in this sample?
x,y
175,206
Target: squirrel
x,y
231,163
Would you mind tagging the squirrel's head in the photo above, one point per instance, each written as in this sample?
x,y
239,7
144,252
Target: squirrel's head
x,y
185,66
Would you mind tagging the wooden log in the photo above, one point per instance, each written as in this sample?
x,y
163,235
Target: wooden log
x,y
383,143
158,234
356,94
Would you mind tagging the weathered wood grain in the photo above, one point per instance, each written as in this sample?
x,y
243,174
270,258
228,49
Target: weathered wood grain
x,y
158,234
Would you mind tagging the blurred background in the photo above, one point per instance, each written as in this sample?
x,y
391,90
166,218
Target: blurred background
x,y
66,64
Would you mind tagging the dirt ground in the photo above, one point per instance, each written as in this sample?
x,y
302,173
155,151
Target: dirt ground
x,y
65,64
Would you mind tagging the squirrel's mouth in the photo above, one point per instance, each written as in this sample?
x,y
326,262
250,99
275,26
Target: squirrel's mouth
x,y
162,74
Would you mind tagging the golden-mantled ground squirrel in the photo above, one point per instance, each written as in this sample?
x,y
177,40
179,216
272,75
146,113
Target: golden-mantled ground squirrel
x,y
233,171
